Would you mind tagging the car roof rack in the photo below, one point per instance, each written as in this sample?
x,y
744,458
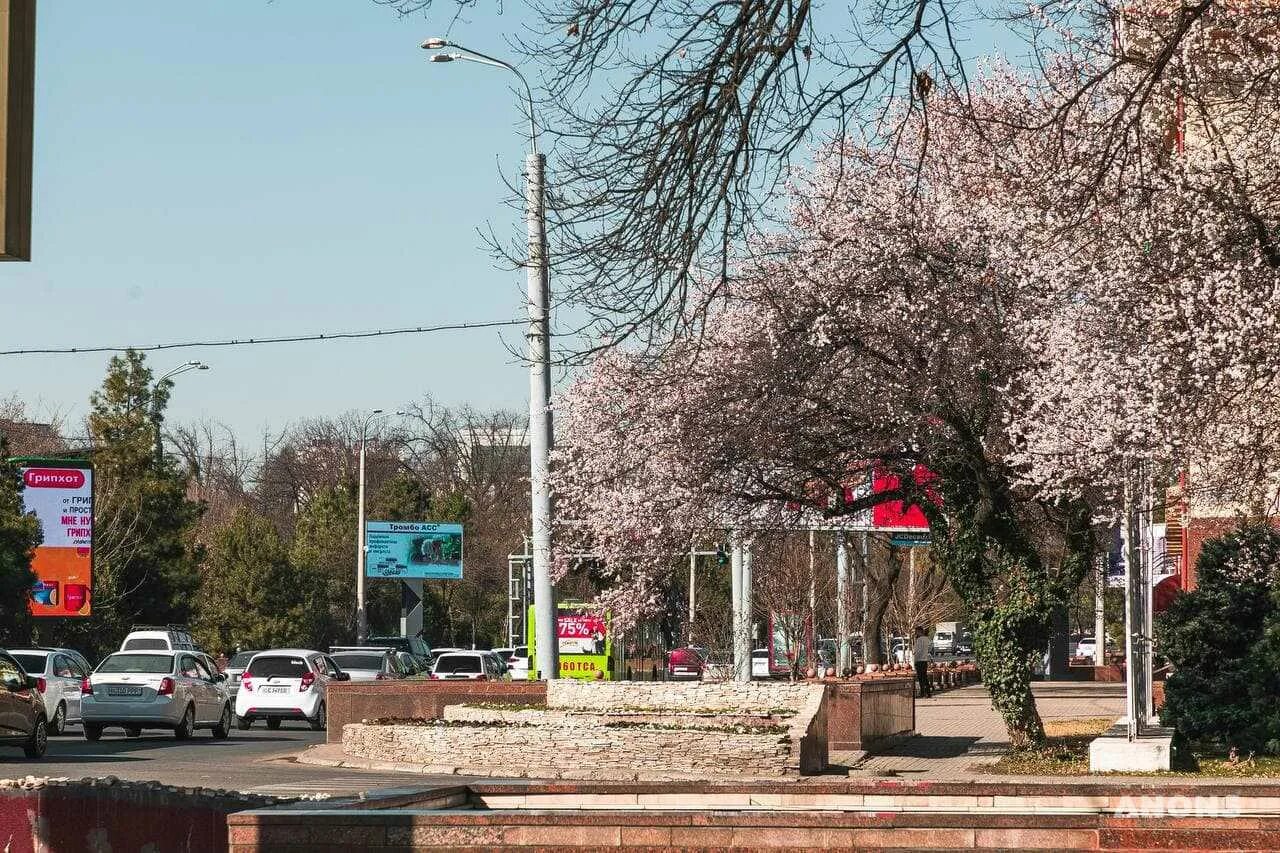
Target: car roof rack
x,y
178,628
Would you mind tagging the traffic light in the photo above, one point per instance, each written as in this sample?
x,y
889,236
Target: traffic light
x,y
722,555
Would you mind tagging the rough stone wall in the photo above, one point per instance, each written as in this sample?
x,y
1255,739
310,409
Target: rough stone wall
x,y
680,695
598,751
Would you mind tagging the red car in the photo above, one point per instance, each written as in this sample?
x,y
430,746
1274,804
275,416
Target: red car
x,y
686,664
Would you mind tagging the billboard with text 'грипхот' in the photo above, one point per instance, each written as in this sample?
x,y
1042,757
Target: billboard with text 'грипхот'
x,y
60,494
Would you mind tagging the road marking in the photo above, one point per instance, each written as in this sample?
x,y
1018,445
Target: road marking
x,y
338,786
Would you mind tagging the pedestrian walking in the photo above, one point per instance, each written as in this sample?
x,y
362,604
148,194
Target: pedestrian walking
x,y
921,657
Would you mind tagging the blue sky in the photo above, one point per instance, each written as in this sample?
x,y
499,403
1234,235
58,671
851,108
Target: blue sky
x,y
217,170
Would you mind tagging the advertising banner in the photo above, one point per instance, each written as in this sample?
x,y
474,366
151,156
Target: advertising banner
x,y
405,549
892,515
581,633
61,496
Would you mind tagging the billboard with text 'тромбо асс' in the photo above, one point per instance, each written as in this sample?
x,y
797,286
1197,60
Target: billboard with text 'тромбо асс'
x,y
60,494
413,549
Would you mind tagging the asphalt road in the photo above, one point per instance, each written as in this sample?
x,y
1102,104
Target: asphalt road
x,y
256,761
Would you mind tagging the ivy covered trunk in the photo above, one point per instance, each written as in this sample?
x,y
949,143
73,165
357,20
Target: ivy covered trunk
x,y
992,561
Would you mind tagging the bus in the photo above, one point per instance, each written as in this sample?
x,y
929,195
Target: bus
x,y
585,640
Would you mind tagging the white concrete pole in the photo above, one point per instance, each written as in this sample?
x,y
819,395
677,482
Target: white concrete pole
x,y
747,612
540,432
842,603
735,598
1100,613
693,582
362,619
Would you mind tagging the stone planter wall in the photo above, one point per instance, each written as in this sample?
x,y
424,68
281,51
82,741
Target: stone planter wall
x,y
679,695
353,701
866,715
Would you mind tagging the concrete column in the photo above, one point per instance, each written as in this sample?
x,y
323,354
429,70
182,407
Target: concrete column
x,y
842,603
747,613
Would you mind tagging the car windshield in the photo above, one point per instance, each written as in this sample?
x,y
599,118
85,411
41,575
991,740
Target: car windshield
x,y
241,659
32,664
142,643
137,663
358,661
278,667
458,663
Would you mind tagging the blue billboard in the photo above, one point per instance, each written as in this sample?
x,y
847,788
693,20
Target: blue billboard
x,y
406,549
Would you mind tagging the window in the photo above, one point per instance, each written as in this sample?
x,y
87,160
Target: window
x,y
62,667
137,663
205,671
272,666
190,668
11,675
144,643
33,664
450,664
241,660
358,661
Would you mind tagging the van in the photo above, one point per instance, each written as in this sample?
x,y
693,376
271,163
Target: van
x,y
151,638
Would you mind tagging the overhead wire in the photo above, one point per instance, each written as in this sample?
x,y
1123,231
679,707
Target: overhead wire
x,y
282,339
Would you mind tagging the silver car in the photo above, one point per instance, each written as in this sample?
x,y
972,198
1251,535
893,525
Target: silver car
x,y
369,664
235,669
58,675
155,690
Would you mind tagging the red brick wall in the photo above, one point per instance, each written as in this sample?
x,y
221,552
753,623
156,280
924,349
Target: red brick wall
x,y
1198,531
348,702
68,816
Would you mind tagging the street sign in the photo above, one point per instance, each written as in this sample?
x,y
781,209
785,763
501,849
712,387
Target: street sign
x,y
404,549
906,539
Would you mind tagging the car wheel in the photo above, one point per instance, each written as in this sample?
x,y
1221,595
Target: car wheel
x,y
273,723
59,722
93,731
187,726
243,723
133,731
320,720
223,728
39,741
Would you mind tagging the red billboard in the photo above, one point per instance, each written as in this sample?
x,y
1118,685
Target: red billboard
x,y
60,494
893,515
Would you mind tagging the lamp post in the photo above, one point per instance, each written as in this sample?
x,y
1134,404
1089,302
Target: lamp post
x,y
362,619
185,367
540,431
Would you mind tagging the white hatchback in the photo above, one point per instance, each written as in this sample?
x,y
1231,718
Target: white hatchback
x,y
58,674
286,684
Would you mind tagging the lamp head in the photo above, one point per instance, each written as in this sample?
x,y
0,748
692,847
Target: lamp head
x,y
442,57
435,43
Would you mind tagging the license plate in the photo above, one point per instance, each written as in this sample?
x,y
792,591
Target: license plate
x,y
275,690
124,691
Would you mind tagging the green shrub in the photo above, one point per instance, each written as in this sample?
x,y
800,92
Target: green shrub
x,y
1223,640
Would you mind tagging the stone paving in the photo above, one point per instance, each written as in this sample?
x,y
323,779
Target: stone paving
x,y
958,729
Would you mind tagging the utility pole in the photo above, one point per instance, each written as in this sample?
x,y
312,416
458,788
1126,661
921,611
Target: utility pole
x,y
842,604
1100,611
362,618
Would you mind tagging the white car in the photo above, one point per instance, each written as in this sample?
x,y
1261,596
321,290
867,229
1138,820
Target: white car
x,y
58,674
476,666
286,684
518,663
1086,647
145,639
155,690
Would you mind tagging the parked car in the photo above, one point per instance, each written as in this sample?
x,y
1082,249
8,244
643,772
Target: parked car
x,y
686,664
518,663
58,675
235,668
286,684
367,664
412,666
501,660
157,638
476,666
155,690
903,652
415,646
1086,647
22,711
760,663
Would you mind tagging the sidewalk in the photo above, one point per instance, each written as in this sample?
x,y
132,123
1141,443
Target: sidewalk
x,y
959,729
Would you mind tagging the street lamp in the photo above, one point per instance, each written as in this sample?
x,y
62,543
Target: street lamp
x,y
540,432
185,367
362,618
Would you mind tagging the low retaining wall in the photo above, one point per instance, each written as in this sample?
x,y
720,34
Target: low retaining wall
x,y
679,695
619,730
866,715
348,702
50,816
845,814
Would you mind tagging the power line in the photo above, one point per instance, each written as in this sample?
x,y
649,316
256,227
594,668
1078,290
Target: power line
x,y
286,339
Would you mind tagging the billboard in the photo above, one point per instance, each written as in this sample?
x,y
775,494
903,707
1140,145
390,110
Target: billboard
x,y
408,549
892,515
60,493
